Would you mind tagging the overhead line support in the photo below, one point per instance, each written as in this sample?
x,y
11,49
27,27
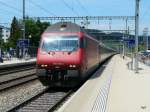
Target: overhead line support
x,y
85,17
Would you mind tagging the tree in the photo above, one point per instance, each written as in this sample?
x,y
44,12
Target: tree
x,y
34,29
15,33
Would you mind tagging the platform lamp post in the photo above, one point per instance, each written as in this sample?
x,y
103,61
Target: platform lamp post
x,y
29,44
23,29
23,19
30,36
123,49
136,34
0,42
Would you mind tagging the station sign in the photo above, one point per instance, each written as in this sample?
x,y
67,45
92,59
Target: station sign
x,y
129,41
23,42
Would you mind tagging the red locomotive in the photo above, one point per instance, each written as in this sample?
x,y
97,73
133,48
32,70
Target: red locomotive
x,y
67,55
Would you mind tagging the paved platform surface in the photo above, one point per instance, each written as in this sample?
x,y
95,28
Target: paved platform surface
x,y
129,92
15,61
114,88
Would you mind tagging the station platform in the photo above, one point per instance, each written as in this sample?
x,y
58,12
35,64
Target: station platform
x,y
16,61
113,88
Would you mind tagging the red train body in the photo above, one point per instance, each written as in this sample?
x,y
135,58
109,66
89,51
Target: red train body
x,y
67,55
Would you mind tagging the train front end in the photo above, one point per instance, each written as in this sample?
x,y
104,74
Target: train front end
x,y
59,59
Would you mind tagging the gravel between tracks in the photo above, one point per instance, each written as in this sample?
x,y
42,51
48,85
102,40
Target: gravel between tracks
x,y
15,96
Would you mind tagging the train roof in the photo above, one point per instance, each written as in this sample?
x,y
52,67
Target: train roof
x,y
64,27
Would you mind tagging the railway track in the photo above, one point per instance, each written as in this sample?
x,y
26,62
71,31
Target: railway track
x,y
46,101
14,79
16,69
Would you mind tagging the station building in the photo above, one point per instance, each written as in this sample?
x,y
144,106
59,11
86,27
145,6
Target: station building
x,y
4,33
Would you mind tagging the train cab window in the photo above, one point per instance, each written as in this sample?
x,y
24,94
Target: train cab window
x,y
60,43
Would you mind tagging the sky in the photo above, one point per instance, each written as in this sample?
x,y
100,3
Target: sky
x,y
45,8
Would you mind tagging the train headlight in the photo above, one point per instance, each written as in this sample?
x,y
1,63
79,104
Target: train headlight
x,y
44,65
72,66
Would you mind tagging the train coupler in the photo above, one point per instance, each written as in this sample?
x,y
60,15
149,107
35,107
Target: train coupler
x,y
65,78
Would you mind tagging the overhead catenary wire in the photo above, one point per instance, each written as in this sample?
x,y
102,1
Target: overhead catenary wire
x,y
82,6
45,10
9,12
69,7
145,13
9,6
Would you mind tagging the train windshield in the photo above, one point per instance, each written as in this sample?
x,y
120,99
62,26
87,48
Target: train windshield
x,y
60,43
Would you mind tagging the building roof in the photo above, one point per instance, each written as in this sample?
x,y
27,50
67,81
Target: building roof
x,y
3,27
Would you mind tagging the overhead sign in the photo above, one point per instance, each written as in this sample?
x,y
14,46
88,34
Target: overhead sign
x,y
131,42
23,42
